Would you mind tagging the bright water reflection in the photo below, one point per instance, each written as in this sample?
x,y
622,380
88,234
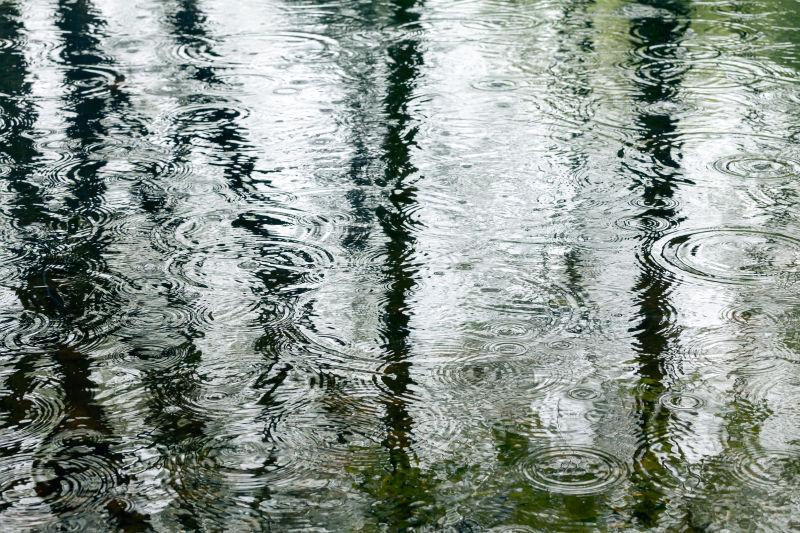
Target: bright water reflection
x,y
423,264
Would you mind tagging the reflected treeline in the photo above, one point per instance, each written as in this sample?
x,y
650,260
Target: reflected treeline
x,y
19,113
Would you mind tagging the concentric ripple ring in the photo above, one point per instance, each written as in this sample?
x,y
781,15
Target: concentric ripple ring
x,y
739,256
573,470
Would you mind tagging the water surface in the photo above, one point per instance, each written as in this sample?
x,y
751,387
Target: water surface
x,y
474,265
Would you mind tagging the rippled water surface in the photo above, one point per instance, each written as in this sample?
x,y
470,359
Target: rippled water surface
x,y
471,265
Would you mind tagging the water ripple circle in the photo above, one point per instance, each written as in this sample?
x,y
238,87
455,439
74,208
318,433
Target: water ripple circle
x,y
582,393
494,85
643,223
728,255
493,374
677,401
757,166
573,470
768,469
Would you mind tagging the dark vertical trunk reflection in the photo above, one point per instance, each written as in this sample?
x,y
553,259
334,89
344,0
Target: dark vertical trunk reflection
x,y
25,209
214,128
184,435
223,131
404,484
576,44
362,163
19,111
657,183
77,467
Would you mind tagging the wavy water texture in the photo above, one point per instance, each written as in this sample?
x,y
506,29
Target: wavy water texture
x,y
403,265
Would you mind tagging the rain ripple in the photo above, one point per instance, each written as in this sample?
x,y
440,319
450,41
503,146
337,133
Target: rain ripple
x,y
729,255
